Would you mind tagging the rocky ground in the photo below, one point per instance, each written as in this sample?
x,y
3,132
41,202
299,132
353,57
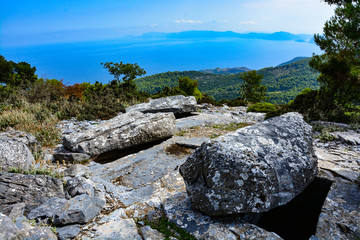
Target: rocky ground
x,y
122,194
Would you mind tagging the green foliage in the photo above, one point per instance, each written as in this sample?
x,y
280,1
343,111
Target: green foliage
x,y
16,74
263,107
169,229
283,82
187,87
251,90
129,72
339,65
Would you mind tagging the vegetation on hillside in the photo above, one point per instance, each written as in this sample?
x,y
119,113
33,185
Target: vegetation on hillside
x,y
338,98
284,83
36,105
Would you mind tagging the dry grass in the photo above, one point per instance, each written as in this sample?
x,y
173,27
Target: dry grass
x,y
32,119
213,131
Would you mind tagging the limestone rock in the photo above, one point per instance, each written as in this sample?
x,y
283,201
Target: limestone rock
x,y
27,138
48,209
176,104
33,190
8,229
70,157
122,229
151,234
79,185
30,232
14,211
340,214
252,170
349,137
14,154
179,211
80,209
76,170
68,232
124,131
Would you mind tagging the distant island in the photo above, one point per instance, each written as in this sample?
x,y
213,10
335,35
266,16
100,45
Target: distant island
x,y
276,36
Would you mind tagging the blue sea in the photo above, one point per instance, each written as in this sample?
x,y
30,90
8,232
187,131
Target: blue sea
x,y
80,62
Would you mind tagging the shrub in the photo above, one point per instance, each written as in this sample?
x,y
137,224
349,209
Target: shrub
x,y
262,107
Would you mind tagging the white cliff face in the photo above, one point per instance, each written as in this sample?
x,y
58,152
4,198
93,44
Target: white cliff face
x,y
252,170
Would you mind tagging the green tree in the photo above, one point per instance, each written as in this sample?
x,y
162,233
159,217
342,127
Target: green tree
x,y
251,90
339,66
16,74
189,86
128,71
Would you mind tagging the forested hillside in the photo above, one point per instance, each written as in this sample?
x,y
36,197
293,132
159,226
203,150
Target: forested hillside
x,y
283,82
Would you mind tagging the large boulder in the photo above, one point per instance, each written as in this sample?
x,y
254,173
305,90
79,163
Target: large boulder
x,y
27,138
124,131
33,190
252,170
14,154
177,104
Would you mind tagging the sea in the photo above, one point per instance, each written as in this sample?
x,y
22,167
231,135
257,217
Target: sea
x,y
81,61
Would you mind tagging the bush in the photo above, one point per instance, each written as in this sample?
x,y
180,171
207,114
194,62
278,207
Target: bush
x,y
262,107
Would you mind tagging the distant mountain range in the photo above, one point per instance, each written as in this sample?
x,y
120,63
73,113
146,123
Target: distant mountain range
x,y
277,36
284,82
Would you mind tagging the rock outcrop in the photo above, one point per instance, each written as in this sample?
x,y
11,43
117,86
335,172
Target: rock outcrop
x,y
22,229
124,131
27,138
176,104
32,190
14,154
252,170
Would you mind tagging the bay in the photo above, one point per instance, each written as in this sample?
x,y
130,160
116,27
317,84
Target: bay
x,y
80,62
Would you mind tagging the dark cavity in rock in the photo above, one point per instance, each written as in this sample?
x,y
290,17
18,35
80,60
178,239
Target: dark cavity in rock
x,y
297,220
116,154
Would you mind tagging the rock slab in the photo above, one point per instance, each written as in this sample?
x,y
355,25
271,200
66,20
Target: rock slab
x,y
124,131
175,104
252,170
33,190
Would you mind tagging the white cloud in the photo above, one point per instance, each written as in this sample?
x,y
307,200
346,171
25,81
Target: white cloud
x,y
266,18
247,22
188,21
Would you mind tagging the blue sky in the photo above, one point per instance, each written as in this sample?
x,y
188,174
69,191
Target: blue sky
x,y
32,22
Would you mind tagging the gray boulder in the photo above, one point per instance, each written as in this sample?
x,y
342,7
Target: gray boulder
x,y
23,230
76,170
252,170
14,154
79,185
27,138
124,131
30,232
33,190
68,232
80,209
48,209
8,229
176,104
14,211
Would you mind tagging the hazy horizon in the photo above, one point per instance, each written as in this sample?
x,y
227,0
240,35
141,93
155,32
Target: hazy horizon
x,y
38,22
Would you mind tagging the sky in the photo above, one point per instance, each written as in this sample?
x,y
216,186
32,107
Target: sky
x,y
36,22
